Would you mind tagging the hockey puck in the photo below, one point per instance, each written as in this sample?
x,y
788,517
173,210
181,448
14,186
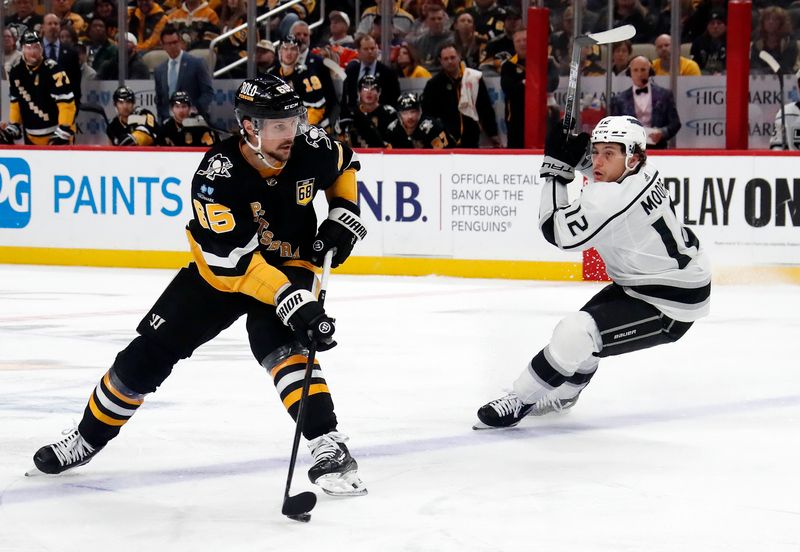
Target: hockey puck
x,y
304,517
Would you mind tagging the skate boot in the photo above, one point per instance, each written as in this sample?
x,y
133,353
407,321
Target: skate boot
x,y
507,411
334,469
68,453
550,403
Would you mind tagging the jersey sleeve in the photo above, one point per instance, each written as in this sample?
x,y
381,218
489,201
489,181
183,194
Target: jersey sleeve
x,y
63,96
224,238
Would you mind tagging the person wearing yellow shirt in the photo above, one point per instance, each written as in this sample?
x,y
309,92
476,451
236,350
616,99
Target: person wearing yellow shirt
x,y
661,64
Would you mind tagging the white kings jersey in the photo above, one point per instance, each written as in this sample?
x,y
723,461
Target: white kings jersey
x,y
792,115
633,226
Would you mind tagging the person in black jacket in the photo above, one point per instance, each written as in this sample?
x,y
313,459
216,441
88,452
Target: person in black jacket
x,y
368,64
66,56
441,96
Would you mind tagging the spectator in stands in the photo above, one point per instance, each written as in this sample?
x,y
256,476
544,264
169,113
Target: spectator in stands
x,y
302,34
137,68
501,48
283,23
774,35
590,62
197,21
489,19
429,43
412,129
107,10
99,49
265,56
661,65
368,64
87,72
458,97
401,21
366,126
561,42
687,22
68,18
24,18
419,27
232,14
10,53
620,57
146,21
66,56
512,81
466,40
653,105
312,82
181,71
185,128
628,12
708,50
406,64
69,37
337,33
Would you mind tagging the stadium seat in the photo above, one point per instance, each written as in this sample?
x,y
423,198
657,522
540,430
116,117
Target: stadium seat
x,y
206,55
646,49
154,58
686,50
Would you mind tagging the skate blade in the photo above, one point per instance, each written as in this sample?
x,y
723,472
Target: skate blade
x,y
346,484
480,426
34,472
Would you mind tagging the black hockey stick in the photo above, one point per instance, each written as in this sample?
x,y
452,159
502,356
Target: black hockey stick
x,y
96,109
767,58
606,37
298,507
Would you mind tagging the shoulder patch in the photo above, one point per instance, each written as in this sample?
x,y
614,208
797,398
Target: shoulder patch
x,y
426,125
316,136
50,63
218,166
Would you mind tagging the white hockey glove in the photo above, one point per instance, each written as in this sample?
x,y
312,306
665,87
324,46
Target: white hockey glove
x,y
62,136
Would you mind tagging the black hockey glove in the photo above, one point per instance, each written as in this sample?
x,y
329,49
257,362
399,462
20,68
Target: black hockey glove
x,y
10,134
298,309
127,140
562,155
61,136
340,231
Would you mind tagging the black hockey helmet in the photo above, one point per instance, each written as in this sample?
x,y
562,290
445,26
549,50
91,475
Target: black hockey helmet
x,y
369,81
30,37
407,101
266,97
180,97
124,94
290,40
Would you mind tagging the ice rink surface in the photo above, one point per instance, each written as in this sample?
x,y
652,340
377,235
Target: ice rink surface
x,y
691,446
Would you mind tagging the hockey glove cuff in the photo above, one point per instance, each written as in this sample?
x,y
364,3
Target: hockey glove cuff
x,y
562,153
10,133
298,309
62,136
128,140
340,231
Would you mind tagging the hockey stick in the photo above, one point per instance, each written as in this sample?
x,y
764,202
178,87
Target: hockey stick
x,y
767,58
606,37
96,109
298,507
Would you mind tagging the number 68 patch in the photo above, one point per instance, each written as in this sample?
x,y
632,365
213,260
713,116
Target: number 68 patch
x,y
305,191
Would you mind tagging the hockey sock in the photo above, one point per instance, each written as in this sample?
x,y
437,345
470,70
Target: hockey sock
x,y
288,376
111,405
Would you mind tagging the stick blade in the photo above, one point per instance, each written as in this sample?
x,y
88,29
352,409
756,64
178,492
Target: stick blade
x,y
767,58
299,504
617,34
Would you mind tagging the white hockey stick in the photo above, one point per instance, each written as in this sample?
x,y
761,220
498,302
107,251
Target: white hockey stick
x,y
767,58
606,37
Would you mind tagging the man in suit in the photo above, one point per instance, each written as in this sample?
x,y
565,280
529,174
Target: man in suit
x,y
368,64
66,56
652,105
181,72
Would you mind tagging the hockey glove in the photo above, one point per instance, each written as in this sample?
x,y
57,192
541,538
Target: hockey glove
x,y
562,153
298,309
10,134
128,140
340,231
62,136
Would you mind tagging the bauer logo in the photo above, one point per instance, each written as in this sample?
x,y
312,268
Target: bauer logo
x,y
15,193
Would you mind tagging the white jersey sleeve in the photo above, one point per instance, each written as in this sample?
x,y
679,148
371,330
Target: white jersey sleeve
x,y
633,226
792,115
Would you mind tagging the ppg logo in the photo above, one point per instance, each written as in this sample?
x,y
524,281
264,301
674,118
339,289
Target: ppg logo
x,y
15,193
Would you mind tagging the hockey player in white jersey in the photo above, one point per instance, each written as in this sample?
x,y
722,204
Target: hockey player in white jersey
x,y
661,282
791,113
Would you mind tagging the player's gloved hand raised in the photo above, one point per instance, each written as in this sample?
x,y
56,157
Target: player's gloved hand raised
x,y
562,153
61,136
340,231
298,309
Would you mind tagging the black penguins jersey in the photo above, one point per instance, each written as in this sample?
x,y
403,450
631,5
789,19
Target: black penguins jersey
x,y
368,130
140,129
246,224
41,98
194,132
429,134
312,82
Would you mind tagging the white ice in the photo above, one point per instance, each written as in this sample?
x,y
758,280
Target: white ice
x,y
691,446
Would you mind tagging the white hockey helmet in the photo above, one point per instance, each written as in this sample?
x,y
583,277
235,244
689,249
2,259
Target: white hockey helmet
x,y
625,130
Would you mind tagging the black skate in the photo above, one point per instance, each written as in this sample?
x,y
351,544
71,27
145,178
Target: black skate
x,y
334,470
509,410
68,453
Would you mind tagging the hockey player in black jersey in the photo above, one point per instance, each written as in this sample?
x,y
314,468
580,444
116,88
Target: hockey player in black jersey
x,y
42,102
185,128
661,282
133,126
412,129
367,126
255,245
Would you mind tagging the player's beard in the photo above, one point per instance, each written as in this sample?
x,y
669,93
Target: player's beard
x,y
282,152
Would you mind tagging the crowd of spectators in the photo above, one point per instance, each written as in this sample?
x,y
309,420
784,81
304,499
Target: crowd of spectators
x,y
453,43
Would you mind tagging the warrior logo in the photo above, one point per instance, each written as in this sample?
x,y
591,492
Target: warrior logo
x,y
219,165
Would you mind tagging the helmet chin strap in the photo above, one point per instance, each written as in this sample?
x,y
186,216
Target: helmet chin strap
x,y
628,169
257,150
